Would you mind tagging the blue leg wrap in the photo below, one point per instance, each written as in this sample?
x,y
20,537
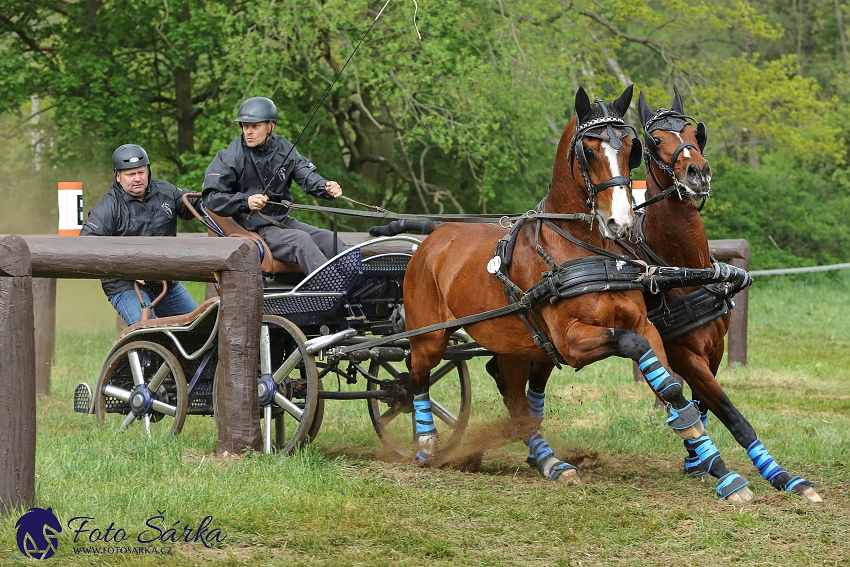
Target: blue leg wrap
x,y
425,429
730,483
540,454
763,461
535,410
544,458
768,467
683,418
657,376
703,454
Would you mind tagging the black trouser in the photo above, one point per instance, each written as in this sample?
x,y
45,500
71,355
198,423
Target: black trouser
x,y
300,243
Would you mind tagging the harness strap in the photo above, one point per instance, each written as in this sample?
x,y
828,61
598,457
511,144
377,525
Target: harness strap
x,y
454,323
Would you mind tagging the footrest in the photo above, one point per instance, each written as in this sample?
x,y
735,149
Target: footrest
x,y
83,399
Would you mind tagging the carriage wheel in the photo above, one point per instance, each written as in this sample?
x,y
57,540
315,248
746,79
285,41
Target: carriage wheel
x,y
393,420
141,382
288,404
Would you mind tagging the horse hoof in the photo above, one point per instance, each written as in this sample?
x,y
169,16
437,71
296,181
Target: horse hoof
x,y
569,476
810,495
691,433
741,496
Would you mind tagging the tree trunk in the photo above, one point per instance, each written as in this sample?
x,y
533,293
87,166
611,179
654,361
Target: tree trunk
x,y
184,110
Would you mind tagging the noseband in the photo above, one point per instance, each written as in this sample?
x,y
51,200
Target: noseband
x,y
669,121
603,128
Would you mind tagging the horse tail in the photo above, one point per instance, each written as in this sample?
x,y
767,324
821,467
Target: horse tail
x,y
406,225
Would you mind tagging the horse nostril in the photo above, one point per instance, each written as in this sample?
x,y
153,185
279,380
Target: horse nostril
x,y
693,172
706,171
617,229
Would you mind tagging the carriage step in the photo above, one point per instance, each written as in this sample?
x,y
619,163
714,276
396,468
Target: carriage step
x,y
83,399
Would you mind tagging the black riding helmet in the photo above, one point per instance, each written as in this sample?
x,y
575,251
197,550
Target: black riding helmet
x,y
257,109
129,156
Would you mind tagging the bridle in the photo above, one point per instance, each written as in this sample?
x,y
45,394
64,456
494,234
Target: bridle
x,y
603,128
670,121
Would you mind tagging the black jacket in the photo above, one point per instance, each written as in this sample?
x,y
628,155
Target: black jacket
x,y
120,214
240,171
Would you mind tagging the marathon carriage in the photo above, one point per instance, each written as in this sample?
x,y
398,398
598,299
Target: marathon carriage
x,y
159,371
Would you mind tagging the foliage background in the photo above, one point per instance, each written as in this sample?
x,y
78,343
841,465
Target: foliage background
x,y
463,120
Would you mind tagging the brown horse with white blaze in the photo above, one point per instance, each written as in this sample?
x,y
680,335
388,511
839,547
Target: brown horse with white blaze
x,y
672,233
448,279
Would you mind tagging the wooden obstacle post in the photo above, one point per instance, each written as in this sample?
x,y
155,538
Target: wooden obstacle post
x,y
736,251
237,408
44,320
17,376
235,261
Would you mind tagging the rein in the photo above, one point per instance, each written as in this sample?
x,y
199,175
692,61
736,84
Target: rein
x,y
471,218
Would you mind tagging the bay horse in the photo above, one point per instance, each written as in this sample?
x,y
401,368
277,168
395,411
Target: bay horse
x,y
447,279
678,175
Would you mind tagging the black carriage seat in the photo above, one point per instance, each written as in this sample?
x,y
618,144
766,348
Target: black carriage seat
x,y
268,264
173,321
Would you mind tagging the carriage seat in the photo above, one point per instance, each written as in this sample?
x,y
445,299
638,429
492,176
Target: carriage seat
x,y
269,264
173,321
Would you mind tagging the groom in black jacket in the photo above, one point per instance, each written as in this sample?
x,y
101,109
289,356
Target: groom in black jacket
x,y
258,167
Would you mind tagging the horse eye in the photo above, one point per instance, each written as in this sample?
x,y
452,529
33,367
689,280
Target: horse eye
x,y
656,140
588,153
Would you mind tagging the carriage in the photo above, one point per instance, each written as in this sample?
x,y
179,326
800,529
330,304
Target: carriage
x,y
159,371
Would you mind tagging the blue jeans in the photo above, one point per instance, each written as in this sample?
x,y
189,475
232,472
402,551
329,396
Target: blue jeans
x,y
176,302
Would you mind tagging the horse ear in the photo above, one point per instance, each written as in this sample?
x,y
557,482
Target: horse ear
x,y
644,112
677,101
582,104
622,103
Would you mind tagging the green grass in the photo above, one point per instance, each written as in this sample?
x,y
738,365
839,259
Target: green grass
x,y
337,503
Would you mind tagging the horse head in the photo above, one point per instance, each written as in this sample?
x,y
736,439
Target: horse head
x,y
596,148
674,143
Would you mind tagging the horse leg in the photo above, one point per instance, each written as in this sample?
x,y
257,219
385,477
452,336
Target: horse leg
x,y
702,455
511,376
586,343
426,351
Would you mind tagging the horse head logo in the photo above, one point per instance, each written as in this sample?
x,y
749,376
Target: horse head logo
x,y
38,533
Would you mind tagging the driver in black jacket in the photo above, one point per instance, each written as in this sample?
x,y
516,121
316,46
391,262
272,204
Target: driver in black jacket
x,y
258,167
136,205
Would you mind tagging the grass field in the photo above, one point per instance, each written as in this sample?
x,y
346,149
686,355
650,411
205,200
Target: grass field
x,y
338,503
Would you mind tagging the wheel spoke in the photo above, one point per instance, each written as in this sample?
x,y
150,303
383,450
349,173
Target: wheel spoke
x,y
116,392
437,374
131,417
445,415
265,351
267,429
146,419
136,368
394,372
288,406
158,378
288,366
388,416
162,407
